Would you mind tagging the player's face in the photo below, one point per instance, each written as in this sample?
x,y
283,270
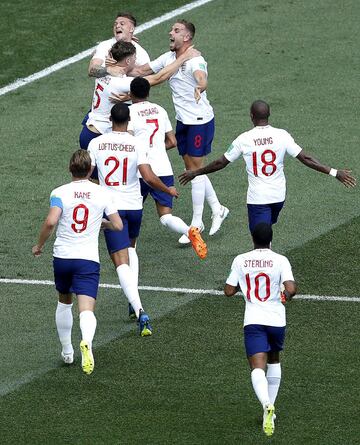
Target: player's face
x,y
178,36
123,29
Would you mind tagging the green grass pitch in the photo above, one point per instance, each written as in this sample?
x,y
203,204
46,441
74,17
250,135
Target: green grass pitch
x,y
189,383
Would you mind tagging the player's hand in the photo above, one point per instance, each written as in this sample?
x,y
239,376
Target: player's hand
x,y
282,297
190,53
346,178
36,251
173,192
135,39
186,177
197,94
116,98
109,61
116,71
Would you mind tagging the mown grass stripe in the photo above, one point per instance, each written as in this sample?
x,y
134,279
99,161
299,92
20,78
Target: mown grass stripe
x,y
66,62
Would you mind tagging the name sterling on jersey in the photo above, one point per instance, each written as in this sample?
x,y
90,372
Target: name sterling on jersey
x,y
258,263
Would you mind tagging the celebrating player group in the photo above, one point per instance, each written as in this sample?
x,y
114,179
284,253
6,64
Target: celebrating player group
x,y
123,159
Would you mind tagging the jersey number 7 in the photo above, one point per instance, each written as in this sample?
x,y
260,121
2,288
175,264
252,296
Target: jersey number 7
x,y
156,123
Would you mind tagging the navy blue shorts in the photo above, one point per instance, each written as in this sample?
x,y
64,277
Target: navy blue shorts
x,y
162,198
195,140
76,276
260,338
115,240
84,139
267,213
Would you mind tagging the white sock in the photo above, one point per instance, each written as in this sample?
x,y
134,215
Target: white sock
x,y
128,285
134,263
211,197
273,376
64,323
260,385
198,198
88,326
174,223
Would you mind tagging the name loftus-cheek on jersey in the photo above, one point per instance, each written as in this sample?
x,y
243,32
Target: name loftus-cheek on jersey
x,y
117,147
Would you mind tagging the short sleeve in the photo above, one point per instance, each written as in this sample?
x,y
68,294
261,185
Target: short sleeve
x,y
168,126
198,64
286,271
234,151
102,50
91,150
159,63
292,148
110,206
233,278
55,201
142,154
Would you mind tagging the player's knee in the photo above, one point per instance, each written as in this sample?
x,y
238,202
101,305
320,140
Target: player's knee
x,y
165,219
198,180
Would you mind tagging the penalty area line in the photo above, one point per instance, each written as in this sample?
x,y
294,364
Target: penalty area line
x,y
181,290
66,62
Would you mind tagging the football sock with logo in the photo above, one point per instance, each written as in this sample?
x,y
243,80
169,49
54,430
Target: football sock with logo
x,y
129,287
174,223
211,197
260,385
273,376
134,263
87,326
64,323
198,198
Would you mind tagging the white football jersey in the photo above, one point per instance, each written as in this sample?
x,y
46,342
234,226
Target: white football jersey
x,y
182,85
263,149
150,122
117,156
99,115
260,274
83,204
103,48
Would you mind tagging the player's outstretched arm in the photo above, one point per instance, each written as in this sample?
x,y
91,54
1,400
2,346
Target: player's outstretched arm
x,y
47,229
344,176
214,166
166,72
155,182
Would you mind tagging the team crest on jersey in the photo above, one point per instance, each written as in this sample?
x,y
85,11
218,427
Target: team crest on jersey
x,y
230,148
202,66
183,67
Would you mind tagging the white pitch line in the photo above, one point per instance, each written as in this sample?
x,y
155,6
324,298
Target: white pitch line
x,y
182,290
59,65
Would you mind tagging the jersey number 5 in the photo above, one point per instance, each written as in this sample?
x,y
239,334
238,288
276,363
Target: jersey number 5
x,y
101,88
266,163
156,123
259,276
80,218
116,165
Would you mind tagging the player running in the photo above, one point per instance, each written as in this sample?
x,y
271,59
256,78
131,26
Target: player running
x,y
151,123
260,274
78,209
263,149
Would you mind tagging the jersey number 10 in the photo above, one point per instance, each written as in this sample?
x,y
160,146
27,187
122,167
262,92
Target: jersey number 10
x,y
260,276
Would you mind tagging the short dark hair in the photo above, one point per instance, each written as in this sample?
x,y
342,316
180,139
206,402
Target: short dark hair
x,y
120,113
128,16
80,164
140,88
188,25
260,109
262,234
120,50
